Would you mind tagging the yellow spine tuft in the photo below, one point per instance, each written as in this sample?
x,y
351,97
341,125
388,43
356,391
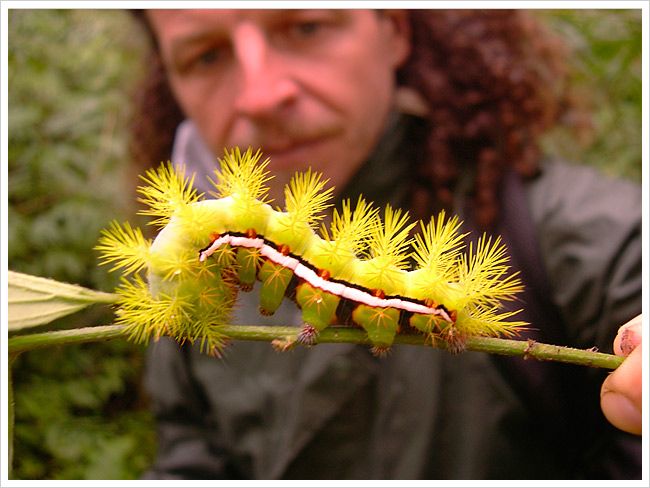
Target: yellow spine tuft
x,y
306,199
387,258
350,230
482,273
489,321
147,317
242,175
390,239
167,191
124,246
437,247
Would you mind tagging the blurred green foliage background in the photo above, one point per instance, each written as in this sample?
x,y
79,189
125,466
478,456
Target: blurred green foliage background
x,y
606,75
80,411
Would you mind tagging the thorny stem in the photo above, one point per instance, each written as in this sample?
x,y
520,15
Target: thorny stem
x,y
286,337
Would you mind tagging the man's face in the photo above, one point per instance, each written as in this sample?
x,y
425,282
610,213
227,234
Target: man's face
x,y
311,88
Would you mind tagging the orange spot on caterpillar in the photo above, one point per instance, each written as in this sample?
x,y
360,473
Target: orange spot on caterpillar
x,y
453,315
323,273
251,233
378,293
284,249
430,303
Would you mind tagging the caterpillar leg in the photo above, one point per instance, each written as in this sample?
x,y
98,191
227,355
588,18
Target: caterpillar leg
x,y
318,310
275,280
381,325
435,325
428,323
248,261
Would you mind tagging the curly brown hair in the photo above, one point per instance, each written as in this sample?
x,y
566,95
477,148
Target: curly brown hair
x,y
493,80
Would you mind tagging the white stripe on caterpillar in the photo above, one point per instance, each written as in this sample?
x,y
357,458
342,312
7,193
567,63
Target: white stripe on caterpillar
x,y
310,276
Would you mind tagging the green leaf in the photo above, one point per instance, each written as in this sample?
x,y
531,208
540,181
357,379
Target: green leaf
x,y
35,301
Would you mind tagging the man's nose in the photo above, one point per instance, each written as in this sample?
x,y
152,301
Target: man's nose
x,y
265,85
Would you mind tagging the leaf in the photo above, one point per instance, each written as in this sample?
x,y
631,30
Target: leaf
x,y
35,301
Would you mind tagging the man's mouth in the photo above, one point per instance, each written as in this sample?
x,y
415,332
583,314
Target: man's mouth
x,y
292,151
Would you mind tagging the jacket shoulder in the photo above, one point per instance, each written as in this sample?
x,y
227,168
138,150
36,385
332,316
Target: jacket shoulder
x,y
589,231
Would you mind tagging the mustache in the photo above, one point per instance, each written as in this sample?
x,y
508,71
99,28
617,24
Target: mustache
x,y
281,134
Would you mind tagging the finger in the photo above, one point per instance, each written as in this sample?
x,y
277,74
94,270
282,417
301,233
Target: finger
x,y
628,337
620,395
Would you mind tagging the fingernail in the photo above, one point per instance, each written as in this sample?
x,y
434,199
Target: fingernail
x,y
630,338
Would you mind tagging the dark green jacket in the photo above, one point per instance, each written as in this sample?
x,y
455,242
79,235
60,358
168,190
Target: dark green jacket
x,y
335,411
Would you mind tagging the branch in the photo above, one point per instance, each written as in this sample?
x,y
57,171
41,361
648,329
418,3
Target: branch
x,y
285,337
27,342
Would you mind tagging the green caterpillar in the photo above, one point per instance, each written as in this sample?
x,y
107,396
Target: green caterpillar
x,y
354,270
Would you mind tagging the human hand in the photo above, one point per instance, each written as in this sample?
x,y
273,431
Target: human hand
x,y
620,395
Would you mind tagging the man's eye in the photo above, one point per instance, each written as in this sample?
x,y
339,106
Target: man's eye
x,y
200,59
208,57
307,28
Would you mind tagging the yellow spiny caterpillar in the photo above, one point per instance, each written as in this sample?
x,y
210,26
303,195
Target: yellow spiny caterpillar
x,y
352,270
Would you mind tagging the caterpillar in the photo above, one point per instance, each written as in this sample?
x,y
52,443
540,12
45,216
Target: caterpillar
x,y
355,270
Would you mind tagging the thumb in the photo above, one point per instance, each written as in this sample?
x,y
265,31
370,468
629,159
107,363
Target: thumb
x,y
620,396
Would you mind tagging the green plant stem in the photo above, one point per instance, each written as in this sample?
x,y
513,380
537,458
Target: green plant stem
x,y
492,345
27,342
286,336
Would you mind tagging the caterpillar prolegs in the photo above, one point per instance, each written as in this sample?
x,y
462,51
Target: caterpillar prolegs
x,y
353,270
